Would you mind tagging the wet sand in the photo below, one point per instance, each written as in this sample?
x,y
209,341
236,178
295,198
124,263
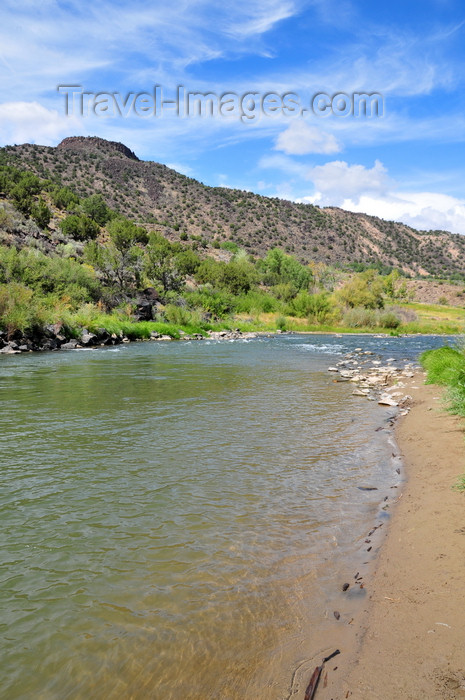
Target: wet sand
x,y
412,629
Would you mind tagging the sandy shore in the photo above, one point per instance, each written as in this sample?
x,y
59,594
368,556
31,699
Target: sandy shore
x,y
413,627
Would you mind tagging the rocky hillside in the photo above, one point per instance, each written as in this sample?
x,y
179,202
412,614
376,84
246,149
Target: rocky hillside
x,y
182,208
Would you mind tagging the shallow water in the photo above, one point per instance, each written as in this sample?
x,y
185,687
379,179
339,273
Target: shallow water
x,y
176,517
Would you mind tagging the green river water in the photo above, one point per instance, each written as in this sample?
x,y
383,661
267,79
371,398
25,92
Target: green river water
x,y
176,518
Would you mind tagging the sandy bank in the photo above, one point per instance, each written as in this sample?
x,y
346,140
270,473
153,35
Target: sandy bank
x,y
414,644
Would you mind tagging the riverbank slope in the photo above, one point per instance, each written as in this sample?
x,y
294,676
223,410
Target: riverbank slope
x,y
413,643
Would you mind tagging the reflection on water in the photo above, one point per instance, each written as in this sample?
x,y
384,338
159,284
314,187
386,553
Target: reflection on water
x,y
174,516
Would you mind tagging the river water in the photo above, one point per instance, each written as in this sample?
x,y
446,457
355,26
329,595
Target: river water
x,y
176,518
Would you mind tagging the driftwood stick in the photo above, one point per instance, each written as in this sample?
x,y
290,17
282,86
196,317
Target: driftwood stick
x,y
313,685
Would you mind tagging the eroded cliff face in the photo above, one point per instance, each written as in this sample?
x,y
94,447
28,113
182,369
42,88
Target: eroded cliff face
x,y
94,143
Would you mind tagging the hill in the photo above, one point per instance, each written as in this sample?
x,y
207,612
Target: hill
x,y
181,208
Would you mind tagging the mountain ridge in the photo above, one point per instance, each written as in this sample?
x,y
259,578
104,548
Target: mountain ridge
x,y
178,206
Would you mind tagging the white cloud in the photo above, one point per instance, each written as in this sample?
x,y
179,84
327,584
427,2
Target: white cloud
x,y
180,168
22,122
301,138
368,191
336,181
422,210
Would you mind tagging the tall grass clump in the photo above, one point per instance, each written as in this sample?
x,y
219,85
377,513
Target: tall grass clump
x,y
446,366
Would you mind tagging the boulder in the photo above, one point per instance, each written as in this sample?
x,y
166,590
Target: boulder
x,y
88,339
10,349
70,345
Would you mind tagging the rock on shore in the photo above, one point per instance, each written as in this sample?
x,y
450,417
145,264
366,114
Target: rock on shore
x,y
54,337
374,380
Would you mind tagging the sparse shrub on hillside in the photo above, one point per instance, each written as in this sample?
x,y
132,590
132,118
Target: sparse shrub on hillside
x,y
79,227
125,233
64,198
229,245
6,219
96,209
41,213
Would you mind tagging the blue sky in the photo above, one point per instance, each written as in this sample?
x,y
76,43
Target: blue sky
x,y
407,165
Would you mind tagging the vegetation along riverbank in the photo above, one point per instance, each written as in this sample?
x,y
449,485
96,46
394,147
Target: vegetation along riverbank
x,y
99,247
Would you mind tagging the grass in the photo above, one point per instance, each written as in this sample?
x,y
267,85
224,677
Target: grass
x,y
446,367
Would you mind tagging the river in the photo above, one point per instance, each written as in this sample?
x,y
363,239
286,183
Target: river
x,y
176,518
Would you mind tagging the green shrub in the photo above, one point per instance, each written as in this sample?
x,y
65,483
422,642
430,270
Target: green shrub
x,y
229,245
258,301
360,317
19,309
179,315
389,320
64,198
41,213
79,227
217,302
96,209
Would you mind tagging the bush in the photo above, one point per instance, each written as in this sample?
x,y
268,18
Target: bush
x,y
19,310
181,316
217,302
360,318
229,245
41,214
389,320
364,290
125,233
96,209
64,198
79,227
258,301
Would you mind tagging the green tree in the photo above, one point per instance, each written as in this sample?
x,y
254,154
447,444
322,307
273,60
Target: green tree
x,y
96,209
125,234
364,289
41,213
79,227
64,198
161,264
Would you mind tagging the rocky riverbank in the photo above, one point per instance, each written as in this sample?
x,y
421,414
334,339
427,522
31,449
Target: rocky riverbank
x,y
375,380
54,337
